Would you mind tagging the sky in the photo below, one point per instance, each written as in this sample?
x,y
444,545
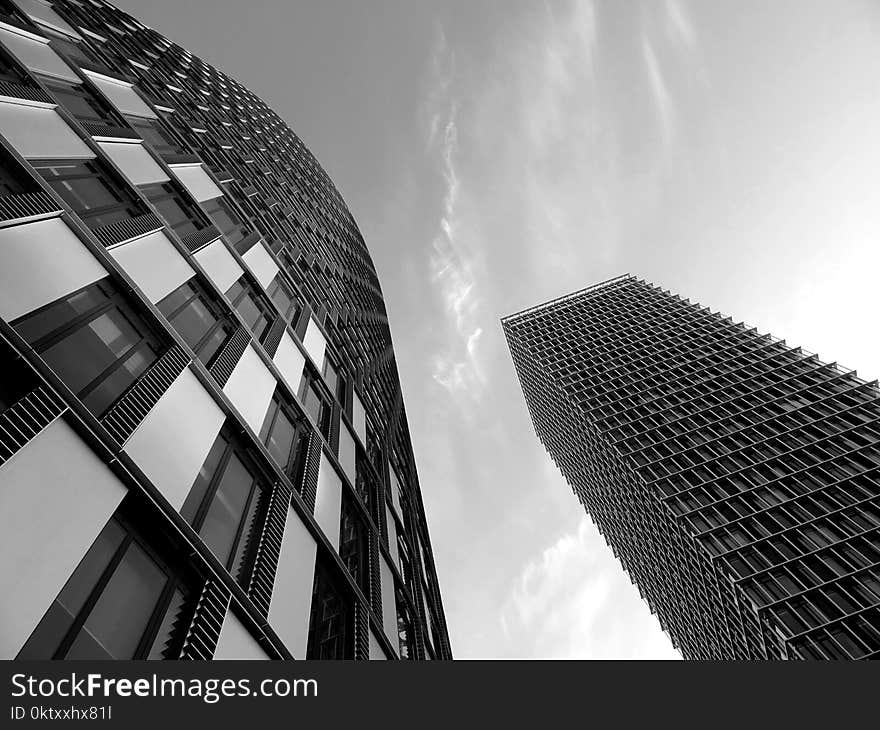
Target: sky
x,y
496,154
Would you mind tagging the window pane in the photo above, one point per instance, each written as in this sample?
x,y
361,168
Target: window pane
x,y
268,420
313,403
280,442
38,325
47,637
84,193
251,314
282,298
193,322
117,382
224,219
330,376
170,304
224,515
213,344
118,620
175,216
203,480
85,353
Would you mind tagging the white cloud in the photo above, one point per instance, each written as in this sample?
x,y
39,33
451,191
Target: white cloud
x,y
662,98
455,365
678,23
573,602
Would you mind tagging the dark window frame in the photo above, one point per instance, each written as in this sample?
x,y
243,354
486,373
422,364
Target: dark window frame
x,y
113,300
126,201
260,490
328,586
294,308
102,111
216,310
246,291
158,193
296,459
179,576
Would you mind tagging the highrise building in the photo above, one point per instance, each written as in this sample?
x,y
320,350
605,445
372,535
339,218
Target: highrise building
x,y
737,479
203,445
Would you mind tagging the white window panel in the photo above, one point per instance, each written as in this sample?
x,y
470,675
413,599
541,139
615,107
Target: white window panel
x,y
328,502
39,133
220,266
154,264
135,162
291,604
389,601
314,343
236,642
347,453
250,388
36,54
359,418
122,95
290,362
376,650
171,443
55,496
41,262
261,264
197,181
43,14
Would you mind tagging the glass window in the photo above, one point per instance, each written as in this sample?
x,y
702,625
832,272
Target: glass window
x,y
76,52
405,633
121,602
254,310
88,188
154,134
180,215
285,436
82,103
225,218
280,293
197,319
332,620
95,343
335,382
353,543
225,505
114,626
316,404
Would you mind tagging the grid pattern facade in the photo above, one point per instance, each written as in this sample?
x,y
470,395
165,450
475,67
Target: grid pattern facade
x,y
737,479
167,242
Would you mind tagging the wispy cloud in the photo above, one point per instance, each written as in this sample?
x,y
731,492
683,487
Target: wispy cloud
x,y
568,604
455,365
662,99
678,24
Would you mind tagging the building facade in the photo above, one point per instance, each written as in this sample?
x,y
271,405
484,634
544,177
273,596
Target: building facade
x,y
737,479
204,451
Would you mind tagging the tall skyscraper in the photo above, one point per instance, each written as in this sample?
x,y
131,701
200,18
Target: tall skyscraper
x,y
203,445
736,479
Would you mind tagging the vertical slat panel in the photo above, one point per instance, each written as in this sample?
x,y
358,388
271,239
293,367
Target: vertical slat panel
x,y
204,629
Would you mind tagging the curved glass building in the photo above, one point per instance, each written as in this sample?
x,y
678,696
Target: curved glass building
x,y
203,447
